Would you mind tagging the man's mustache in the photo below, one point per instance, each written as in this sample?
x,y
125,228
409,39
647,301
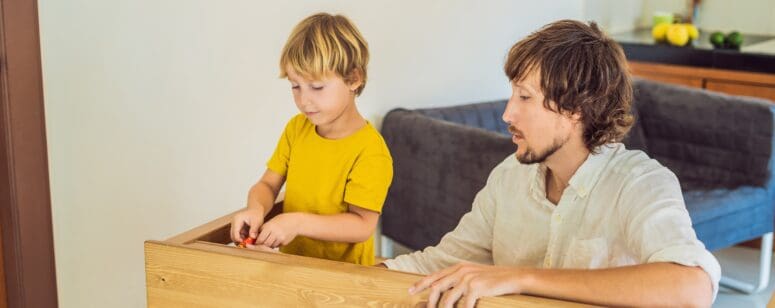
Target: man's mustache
x,y
514,131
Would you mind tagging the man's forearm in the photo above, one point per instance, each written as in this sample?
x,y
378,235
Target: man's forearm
x,y
653,284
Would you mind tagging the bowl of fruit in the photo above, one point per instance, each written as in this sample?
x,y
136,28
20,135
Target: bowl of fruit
x,y
676,34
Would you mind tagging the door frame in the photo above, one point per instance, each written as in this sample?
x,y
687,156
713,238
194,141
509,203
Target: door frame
x,y
25,202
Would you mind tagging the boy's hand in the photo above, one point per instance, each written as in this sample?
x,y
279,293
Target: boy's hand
x,y
245,242
245,224
263,248
279,231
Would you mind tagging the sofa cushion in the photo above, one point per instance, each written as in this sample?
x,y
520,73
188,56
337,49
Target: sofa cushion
x,y
706,138
724,217
486,115
636,138
439,167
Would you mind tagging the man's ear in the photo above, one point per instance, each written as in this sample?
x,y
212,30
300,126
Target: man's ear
x,y
576,117
354,79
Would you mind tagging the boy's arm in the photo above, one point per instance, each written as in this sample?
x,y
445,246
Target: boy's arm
x,y
263,194
260,201
355,226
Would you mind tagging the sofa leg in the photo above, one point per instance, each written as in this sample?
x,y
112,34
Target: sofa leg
x,y
765,264
386,249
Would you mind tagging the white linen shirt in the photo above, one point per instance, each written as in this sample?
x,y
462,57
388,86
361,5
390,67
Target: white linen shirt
x,y
620,208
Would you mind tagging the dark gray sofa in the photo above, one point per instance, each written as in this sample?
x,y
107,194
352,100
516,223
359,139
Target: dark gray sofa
x,y
719,146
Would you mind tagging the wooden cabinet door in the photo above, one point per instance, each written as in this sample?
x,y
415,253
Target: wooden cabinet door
x,y
747,89
693,82
3,297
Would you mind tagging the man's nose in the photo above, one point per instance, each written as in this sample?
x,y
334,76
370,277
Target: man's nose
x,y
508,113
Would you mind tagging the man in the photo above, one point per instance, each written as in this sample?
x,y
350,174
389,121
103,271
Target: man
x,y
573,214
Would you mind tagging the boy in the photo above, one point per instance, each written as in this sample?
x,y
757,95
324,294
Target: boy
x,y
336,167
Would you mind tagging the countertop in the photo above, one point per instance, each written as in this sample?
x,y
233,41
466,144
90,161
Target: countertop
x,y
756,55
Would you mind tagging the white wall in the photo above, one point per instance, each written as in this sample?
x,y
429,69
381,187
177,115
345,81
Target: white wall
x,y
614,15
161,114
746,16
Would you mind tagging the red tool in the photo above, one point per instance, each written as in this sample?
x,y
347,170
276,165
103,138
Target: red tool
x,y
246,241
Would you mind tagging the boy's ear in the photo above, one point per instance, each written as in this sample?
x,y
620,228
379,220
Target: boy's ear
x,y
354,79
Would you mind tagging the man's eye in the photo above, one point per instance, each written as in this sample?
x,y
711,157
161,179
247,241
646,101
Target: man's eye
x,y
524,98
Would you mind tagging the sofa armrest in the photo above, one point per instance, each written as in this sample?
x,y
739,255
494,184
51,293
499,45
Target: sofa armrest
x,y
439,167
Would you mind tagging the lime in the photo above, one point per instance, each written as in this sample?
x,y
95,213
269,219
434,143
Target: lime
x,y
717,39
734,39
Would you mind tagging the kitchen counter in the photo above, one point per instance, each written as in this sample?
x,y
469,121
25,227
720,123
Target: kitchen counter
x,y
756,55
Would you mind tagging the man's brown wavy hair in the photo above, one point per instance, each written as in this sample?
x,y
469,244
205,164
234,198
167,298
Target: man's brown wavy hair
x,y
583,71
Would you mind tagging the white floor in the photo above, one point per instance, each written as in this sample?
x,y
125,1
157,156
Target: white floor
x,y
742,263
736,262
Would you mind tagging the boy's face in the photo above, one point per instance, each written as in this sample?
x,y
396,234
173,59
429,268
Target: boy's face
x,y
537,131
322,101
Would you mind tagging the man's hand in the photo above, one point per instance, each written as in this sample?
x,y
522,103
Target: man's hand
x,y
245,224
467,283
279,231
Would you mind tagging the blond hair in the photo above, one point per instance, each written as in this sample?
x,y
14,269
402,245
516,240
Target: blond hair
x,y
325,43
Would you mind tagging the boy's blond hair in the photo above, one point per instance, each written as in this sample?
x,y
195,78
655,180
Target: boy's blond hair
x,y
325,43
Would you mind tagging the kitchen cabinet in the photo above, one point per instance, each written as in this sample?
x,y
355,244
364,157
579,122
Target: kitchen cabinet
x,y
732,82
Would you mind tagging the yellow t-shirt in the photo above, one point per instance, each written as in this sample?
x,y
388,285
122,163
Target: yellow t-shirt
x,y
323,176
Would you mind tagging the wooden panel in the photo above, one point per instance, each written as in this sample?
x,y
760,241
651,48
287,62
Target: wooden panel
x,y
25,204
696,72
204,231
672,79
3,297
210,275
766,92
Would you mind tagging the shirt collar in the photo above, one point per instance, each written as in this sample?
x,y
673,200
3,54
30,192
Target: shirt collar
x,y
582,181
589,172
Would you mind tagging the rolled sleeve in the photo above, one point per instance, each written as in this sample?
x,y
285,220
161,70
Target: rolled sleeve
x,y
659,228
691,255
369,181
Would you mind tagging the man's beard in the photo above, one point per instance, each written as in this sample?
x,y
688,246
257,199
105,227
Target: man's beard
x,y
530,156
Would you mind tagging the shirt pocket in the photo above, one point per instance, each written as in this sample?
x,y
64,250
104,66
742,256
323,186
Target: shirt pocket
x,y
587,254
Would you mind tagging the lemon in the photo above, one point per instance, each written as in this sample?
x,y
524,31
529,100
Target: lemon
x,y
658,32
677,35
693,32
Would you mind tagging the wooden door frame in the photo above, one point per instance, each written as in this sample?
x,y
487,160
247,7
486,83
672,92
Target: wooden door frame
x,y
25,203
